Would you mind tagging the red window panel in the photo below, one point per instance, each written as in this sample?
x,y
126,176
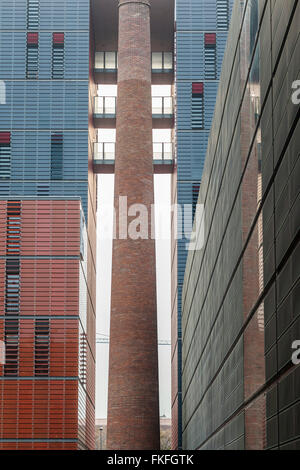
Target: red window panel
x,y
197,88
32,38
4,138
58,38
210,39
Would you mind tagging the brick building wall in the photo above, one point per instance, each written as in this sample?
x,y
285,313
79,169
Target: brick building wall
x,y
133,400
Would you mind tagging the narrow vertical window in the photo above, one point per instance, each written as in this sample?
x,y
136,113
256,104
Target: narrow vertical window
x,y
13,228
5,155
32,56
223,14
83,354
43,189
41,348
32,14
12,290
11,335
195,194
56,156
58,55
210,54
198,105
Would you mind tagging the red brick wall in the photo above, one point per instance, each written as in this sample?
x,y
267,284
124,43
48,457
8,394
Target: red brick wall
x,y
133,403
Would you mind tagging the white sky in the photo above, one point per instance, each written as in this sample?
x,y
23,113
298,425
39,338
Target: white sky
x,y
163,262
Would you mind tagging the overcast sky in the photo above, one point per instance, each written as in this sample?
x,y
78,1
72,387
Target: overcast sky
x,y
163,260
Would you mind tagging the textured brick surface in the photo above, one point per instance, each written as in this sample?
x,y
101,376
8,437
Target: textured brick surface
x,y
133,405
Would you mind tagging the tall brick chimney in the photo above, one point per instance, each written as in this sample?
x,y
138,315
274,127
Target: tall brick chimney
x,y
133,400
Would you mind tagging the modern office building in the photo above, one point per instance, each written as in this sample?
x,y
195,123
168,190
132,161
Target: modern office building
x,y
201,33
45,388
240,386
55,58
46,135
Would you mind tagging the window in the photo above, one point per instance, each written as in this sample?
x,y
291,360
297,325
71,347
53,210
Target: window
x,y
5,155
162,61
56,156
106,60
11,334
12,290
58,53
223,14
13,230
198,105
32,57
43,189
195,194
210,53
83,354
32,14
41,348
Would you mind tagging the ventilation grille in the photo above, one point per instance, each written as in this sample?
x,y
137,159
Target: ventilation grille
x,y
198,106
210,56
13,232
223,14
32,58
32,14
82,359
11,333
41,348
5,155
195,194
58,55
12,291
56,156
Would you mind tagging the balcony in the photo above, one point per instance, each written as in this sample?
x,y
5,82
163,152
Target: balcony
x,y
162,112
104,157
162,68
106,68
105,112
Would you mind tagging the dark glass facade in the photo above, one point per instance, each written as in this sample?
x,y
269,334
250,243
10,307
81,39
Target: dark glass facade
x,y
201,33
239,317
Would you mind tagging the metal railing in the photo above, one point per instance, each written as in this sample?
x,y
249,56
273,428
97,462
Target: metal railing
x,y
105,105
107,150
104,150
162,62
162,151
108,61
162,106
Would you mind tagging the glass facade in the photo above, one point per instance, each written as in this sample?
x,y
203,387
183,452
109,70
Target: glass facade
x,y
238,378
201,33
